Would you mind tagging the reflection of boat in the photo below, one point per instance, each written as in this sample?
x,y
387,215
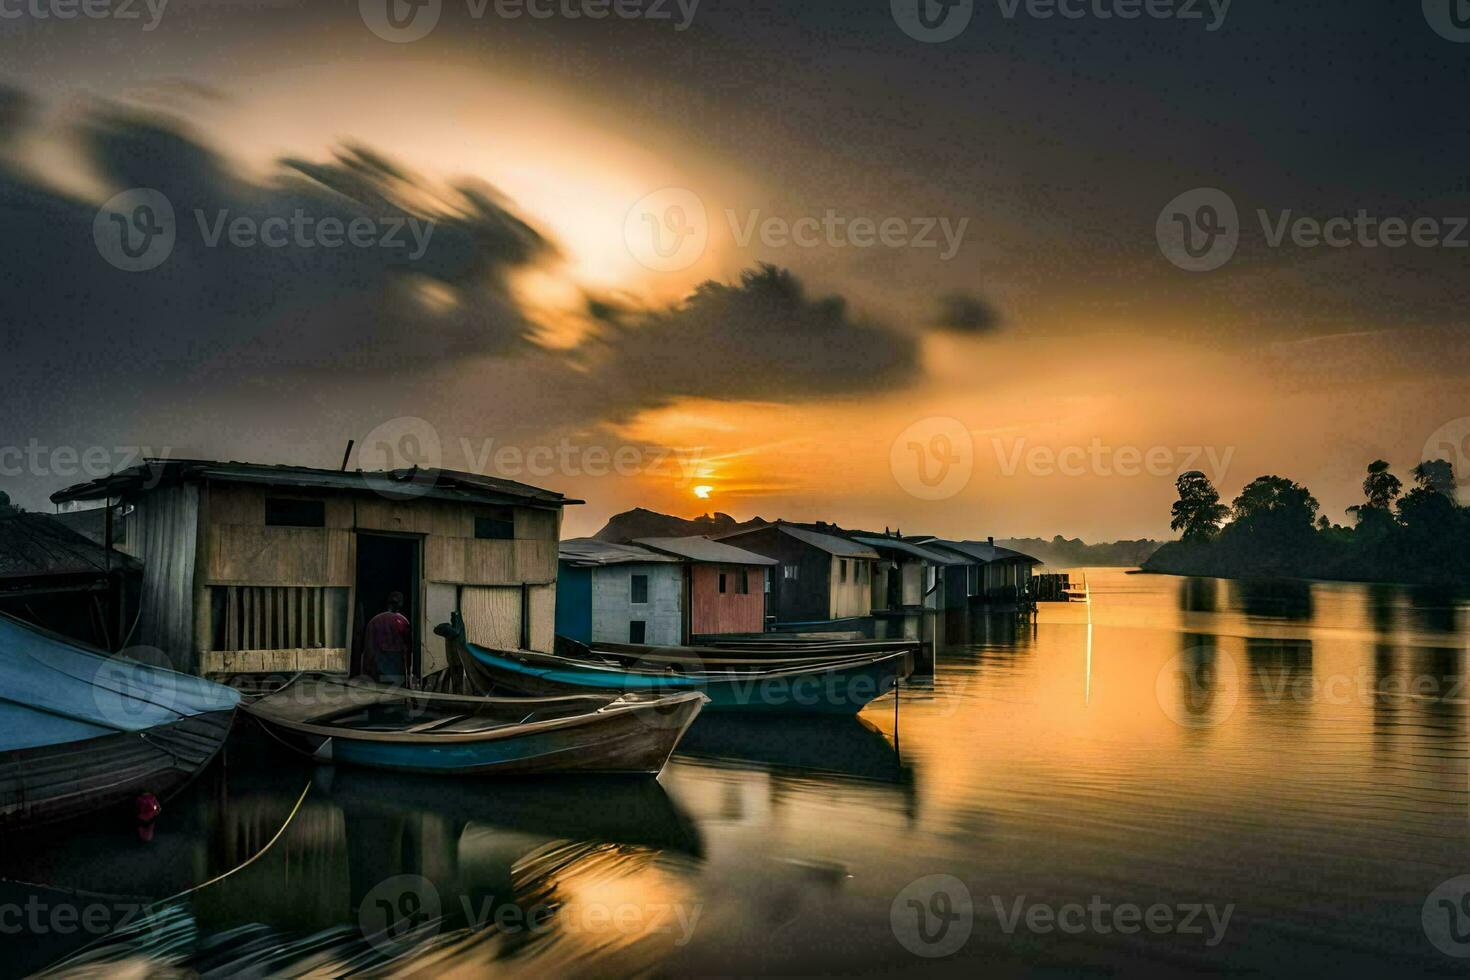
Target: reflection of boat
x,y
631,811
81,732
820,686
332,719
842,746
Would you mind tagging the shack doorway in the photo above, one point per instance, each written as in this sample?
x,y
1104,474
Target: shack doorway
x,y
386,563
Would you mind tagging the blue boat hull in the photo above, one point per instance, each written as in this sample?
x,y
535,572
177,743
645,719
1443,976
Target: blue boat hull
x,y
838,688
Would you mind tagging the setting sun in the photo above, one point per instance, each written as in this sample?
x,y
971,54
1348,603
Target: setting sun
x,y
703,491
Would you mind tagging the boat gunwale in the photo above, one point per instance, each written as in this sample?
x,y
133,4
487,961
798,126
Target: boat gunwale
x,y
608,711
757,672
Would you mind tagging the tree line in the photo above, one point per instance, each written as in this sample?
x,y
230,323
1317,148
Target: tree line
x,y
1273,528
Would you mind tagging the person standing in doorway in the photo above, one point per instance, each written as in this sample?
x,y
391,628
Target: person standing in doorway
x,y
385,653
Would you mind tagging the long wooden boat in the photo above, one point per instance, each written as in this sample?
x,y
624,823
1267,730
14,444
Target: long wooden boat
x,y
794,686
763,650
81,731
334,719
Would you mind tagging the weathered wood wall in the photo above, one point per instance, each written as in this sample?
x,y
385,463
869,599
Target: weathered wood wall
x,y
239,549
713,611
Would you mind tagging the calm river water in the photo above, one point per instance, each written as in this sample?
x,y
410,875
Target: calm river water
x,y
1183,776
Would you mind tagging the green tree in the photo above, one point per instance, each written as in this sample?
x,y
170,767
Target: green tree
x,y
1436,475
1381,486
1276,508
1198,511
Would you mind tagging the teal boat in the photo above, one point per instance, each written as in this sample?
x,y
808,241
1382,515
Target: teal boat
x,y
336,720
81,731
823,685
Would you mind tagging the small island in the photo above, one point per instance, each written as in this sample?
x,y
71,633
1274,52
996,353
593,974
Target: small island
x,y
1272,529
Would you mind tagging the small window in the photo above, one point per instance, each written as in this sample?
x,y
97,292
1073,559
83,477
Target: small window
x,y
842,569
496,524
640,588
744,588
286,512
637,631
789,572
722,581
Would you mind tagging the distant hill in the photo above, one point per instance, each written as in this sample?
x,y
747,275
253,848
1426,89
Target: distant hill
x,y
1062,552
643,523
1059,552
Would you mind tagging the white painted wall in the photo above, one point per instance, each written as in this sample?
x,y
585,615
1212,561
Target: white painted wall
x,y
613,608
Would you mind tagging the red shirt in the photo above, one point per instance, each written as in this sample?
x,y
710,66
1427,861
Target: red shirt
x,y
387,632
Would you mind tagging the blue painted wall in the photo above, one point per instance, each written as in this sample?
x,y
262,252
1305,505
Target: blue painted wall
x,y
574,603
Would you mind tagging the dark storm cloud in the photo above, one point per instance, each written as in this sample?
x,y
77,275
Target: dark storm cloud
x,y
762,338
966,313
301,297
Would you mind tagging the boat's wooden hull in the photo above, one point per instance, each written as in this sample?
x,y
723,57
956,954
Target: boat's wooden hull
x,y
635,740
827,688
50,783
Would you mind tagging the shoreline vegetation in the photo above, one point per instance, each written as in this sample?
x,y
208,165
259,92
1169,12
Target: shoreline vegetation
x,y
1273,530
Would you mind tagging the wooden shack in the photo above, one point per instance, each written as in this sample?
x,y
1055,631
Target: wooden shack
x,y
619,593
909,577
257,568
822,576
991,575
725,586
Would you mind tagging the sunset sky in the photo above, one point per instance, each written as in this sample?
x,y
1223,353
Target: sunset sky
x,y
1016,319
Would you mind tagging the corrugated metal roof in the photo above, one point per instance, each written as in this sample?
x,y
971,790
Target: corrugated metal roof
x,y
933,555
408,483
35,546
587,552
981,551
701,549
829,543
